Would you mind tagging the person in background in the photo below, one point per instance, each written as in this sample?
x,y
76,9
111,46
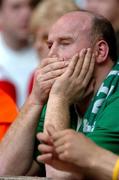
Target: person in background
x,y
18,58
8,112
80,3
109,9
42,19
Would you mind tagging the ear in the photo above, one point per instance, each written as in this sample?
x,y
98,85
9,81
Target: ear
x,y
102,51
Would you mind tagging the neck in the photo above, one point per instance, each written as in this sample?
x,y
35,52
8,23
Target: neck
x,y
102,70
100,74
14,43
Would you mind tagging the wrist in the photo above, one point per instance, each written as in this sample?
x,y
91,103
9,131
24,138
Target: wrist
x,y
101,164
59,99
34,101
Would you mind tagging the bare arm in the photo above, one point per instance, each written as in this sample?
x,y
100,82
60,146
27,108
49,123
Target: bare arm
x,y
103,165
67,89
16,149
79,155
93,161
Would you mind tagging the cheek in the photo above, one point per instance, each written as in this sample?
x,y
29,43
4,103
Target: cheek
x,y
68,52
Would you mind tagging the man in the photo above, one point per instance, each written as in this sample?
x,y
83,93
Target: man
x,y
18,58
70,34
66,38
109,9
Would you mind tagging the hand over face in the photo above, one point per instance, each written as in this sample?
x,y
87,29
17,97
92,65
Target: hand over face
x,y
72,84
49,70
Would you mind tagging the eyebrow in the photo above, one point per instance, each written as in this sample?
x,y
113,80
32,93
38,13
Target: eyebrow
x,y
65,37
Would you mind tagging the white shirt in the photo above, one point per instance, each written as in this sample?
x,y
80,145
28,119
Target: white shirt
x,y
18,68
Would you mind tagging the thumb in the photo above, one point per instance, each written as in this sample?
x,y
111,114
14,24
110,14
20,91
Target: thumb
x,y
50,129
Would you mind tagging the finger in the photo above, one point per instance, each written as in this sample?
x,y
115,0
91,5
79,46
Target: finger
x,y
59,134
45,138
60,149
72,65
54,66
64,156
46,85
50,129
43,148
59,142
86,64
44,158
80,63
52,74
90,71
47,61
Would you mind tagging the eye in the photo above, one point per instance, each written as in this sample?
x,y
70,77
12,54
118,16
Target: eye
x,y
65,43
49,44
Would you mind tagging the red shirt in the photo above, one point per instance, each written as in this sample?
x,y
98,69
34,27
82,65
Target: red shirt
x,y
8,112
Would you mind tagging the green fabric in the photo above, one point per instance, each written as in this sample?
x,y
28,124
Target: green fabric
x,y
106,131
107,89
101,121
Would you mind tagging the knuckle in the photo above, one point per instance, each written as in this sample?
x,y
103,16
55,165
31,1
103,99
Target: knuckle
x,y
66,154
83,84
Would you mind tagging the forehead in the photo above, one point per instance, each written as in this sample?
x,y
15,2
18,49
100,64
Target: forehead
x,y
70,26
10,2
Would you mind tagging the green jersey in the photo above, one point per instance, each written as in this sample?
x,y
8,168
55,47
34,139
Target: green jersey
x,y
101,120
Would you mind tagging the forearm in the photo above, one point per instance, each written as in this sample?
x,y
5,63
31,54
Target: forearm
x,y
57,113
16,149
102,165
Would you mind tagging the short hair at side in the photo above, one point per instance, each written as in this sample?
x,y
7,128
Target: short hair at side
x,y
1,1
102,28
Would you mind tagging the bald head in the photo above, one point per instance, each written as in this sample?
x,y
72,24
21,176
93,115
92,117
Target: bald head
x,y
78,19
85,29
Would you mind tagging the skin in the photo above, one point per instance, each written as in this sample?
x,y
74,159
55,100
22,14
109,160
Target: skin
x,y
69,145
23,128
107,8
65,44
15,17
40,44
65,40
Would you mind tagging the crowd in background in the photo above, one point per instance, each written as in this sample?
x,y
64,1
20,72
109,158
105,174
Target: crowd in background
x,y
24,29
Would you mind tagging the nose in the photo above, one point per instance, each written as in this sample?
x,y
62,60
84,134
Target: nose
x,y
53,52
